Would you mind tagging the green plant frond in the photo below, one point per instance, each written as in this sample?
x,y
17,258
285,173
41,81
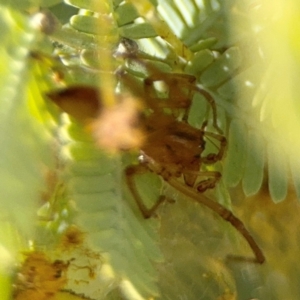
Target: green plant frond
x,y
235,84
92,184
25,139
236,154
122,256
197,21
265,97
254,166
101,211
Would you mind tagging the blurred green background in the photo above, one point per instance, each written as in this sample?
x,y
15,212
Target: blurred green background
x,y
245,53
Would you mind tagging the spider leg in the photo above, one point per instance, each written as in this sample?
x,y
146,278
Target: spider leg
x,y
224,213
130,172
209,183
202,185
214,157
211,102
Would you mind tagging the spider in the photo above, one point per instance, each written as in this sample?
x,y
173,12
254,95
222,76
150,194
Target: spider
x,y
170,147
174,150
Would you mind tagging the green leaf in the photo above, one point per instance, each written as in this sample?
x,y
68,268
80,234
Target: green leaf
x,y
102,210
222,68
235,160
138,31
25,140
126,13
254,167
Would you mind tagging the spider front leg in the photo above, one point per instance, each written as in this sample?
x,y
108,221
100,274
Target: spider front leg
x,y
209,183
212,158
190,178
212,103
130,172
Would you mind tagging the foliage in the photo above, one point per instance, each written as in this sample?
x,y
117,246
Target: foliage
x,y
54,175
